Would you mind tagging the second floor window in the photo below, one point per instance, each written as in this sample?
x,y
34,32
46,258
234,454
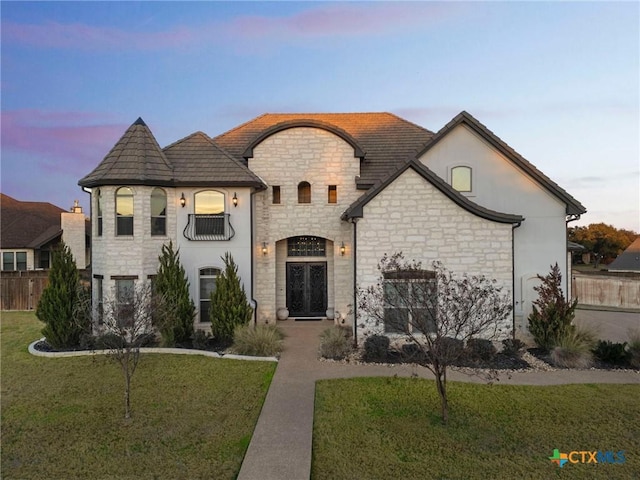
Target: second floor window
x,y
124,211
158,212
461,178
304,192
209,210
332,196
99,211
276,194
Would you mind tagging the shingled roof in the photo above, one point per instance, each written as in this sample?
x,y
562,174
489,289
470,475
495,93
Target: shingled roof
x,y
136,159
197,160
629,260
574,207
386,140
27,224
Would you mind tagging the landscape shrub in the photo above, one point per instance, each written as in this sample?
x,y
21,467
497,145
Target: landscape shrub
x,y
552,314
449,348
412,353
335,343
634,348
572,350
258,340
229,306
513,347
481,349
200,339
376,348
613,353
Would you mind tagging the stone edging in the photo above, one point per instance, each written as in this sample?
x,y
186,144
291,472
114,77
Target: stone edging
x,y
176,351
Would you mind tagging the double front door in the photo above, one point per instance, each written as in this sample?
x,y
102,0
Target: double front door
x,y
307,289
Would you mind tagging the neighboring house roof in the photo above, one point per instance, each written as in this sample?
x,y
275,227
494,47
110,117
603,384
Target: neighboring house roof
x,y
136,159
356,208
574,207
196,160
629,260
27,224
386,140
574,247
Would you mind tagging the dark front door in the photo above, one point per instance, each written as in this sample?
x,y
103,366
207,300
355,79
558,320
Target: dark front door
x,y
307,289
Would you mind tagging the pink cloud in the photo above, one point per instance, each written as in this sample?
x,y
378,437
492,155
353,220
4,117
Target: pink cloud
x,y
62,141
325,21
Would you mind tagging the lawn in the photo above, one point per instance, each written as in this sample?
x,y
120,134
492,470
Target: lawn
x,y
63,418
383,428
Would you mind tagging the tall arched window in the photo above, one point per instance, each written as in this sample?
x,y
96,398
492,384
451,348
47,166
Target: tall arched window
x,y
304,192
209,210
207,287
99,211
124,211
158,212
461,178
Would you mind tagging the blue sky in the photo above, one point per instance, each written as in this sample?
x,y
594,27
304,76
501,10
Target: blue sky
x,y
558,81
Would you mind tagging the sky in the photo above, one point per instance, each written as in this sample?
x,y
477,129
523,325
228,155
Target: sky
x,y
558,81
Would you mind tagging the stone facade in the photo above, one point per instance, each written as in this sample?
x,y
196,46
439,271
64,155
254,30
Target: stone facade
x,y
285,159
413,217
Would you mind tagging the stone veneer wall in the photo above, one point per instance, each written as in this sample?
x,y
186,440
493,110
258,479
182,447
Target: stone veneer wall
x,y
286,159
413,217
129,255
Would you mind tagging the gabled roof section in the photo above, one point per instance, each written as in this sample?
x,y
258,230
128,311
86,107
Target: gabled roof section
x,y
629,260
197,160
574,207
356,209
27,224
386,140
358,151
136,159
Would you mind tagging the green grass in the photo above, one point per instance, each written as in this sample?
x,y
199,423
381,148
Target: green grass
x,y
62,418
387,428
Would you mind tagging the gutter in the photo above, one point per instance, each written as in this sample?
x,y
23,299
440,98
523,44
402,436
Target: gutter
x,y
513,278
253,300
567,267
355,283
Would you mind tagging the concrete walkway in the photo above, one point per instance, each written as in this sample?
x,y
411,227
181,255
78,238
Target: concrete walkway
x,y
281,445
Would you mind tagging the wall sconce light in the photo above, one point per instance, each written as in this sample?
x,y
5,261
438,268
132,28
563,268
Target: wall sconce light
x,y
264,248
342,249
235,199
183,201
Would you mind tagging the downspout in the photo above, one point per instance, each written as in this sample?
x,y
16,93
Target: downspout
x,y
513,278
569,290
355,283
253,300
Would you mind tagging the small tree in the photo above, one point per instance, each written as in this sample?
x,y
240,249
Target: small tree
x,y
229,305
435,311
552,315
60,306
127,328
172,290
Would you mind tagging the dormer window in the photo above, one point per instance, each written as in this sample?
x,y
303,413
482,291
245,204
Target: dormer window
x,y
461,179
304,192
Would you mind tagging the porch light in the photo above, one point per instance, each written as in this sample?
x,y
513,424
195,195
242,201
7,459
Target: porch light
x,y
183,201
342,249
264,248
235,199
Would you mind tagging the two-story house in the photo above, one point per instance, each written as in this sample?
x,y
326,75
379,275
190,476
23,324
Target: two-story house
x,y
307,204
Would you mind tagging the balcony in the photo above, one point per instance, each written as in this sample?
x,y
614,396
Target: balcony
x,y
209,227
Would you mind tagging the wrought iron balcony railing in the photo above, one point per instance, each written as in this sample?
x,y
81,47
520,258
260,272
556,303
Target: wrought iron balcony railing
x,y
209,227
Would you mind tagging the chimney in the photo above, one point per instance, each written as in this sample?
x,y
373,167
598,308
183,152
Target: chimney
x,y
73,234
76,207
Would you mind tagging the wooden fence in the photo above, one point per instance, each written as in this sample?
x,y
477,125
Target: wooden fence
x,y
22,290
607,290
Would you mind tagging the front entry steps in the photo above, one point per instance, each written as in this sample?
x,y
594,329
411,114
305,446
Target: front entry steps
x,y
308,319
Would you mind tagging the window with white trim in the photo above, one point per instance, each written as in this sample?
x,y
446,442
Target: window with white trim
x,y
208,276
461,178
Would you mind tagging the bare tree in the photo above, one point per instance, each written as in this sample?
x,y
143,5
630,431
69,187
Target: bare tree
x,y
434,310
127,318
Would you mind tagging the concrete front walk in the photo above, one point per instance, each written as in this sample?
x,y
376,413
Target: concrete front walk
x,y
281,445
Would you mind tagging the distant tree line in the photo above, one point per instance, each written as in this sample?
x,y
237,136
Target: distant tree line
x,y
604,241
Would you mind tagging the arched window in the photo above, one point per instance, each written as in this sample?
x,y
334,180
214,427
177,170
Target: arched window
x,y
209,210
99,211
461,178
207,287
304,192
158,212
124,211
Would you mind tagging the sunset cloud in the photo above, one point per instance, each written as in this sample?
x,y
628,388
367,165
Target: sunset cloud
x,y
325,21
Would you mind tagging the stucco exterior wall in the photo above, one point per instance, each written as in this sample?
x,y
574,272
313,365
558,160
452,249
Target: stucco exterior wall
x,y
413,217
499,185
285,159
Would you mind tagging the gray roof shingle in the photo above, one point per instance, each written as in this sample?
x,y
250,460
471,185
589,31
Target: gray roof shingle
x,y
27,224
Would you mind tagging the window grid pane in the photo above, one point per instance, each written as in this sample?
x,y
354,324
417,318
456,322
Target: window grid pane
x,y
306,247
7,261
21,261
